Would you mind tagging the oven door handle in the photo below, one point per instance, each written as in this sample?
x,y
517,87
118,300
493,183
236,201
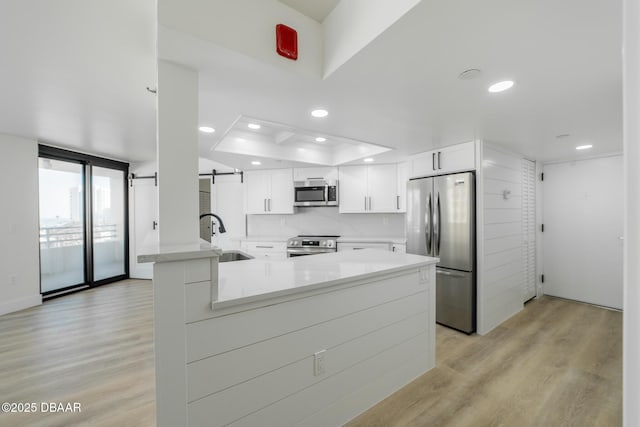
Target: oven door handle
x,y
310,251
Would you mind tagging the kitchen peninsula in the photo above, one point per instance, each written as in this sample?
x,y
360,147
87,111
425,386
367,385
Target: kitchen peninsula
x,y
310,340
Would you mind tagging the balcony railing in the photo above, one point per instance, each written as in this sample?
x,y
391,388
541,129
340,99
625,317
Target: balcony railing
x,y
59,237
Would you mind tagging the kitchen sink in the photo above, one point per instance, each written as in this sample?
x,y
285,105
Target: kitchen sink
x,y
229,256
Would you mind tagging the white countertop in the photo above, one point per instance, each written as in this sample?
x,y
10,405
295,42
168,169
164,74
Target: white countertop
x,y
167,253
343,239
257,280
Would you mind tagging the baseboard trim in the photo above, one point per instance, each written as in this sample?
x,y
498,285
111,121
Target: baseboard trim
x,y
20,304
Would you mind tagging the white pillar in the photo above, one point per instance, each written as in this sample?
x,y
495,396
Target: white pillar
x,y
631,91
177,154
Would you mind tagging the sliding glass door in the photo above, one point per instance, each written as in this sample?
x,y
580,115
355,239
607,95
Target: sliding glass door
x,y
83,221
62,236
108,222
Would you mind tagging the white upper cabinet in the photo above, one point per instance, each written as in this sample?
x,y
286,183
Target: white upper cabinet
x,y
455,158
269,191
403,179
368,189
383,188
353,189
281,200
304,174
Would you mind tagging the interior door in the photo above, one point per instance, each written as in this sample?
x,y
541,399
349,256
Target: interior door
x,y
204,206
144,211
529,229
583,229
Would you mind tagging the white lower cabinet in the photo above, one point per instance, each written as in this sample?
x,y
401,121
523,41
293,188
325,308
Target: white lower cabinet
x,y
358,246
260,249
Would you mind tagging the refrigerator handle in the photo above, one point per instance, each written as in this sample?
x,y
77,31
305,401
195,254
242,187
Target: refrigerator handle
x,y
436,227
427,224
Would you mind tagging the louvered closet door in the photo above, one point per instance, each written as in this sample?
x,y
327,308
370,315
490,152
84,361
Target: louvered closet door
x,y
529,228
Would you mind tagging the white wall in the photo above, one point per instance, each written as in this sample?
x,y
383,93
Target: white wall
x,y
19,224
326,221
247,26
631,71
500,275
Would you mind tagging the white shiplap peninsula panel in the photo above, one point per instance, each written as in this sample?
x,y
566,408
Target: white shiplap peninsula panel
x,y
501,277
237,343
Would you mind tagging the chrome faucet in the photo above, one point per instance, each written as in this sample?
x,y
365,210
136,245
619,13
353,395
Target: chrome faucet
x,y
221,228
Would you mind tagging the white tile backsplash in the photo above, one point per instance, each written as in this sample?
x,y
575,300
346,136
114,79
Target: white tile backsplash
x,y
327,221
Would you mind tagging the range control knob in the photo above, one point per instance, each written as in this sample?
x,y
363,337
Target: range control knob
x,y
324,243
330,243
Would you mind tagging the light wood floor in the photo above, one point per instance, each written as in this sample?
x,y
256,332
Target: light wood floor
x,y
557,363
93,347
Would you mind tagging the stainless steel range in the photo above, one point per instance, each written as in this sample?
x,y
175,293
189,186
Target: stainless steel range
x,y
311,245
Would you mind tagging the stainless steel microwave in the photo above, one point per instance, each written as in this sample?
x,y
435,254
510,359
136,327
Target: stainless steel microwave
x,y
315,193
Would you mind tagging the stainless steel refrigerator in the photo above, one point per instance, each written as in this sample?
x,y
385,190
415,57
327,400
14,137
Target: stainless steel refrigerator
x,y
441,223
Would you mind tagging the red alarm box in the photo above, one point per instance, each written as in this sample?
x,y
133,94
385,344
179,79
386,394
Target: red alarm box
x,y
286,41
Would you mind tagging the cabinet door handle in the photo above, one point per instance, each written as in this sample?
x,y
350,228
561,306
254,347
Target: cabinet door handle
x,y
439,166
365,203
264,247
398,202
433,161
269,205
155,224
264,202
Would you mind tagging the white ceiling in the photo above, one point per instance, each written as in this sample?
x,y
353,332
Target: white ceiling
x,y
402,89
314,9
254,137
74,74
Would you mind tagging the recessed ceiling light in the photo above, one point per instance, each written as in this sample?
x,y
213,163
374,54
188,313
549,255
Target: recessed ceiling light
x,y
320,139
320,113
256,163
368,160
584,147
469,74
206,129
501,86
253,126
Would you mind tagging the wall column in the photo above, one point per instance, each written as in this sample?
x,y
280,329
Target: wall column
x,y
631,93
177,154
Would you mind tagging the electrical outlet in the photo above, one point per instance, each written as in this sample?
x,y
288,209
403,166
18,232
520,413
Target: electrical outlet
x,y
318,363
